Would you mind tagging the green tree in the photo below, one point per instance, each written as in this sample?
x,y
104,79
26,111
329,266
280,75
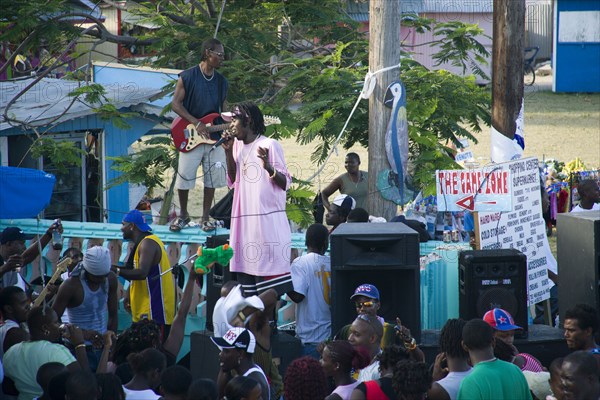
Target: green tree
x,y
309,56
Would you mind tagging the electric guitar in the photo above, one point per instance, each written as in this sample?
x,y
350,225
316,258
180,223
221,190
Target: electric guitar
x,y
60,268
186,137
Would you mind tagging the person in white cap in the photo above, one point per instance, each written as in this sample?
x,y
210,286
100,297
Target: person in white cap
x,y
353,182
237,347
90,298
339,210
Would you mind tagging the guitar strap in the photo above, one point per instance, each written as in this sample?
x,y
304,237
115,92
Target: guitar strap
x,y
220,83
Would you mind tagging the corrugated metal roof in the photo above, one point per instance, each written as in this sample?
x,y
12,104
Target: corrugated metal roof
x,y
85,7
49,98
359,10
458,6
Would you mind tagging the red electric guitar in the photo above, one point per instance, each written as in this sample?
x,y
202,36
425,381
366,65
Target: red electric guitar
x,y
186,138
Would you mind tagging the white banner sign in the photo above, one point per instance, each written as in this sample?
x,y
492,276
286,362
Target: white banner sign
x,y
487,189
523,228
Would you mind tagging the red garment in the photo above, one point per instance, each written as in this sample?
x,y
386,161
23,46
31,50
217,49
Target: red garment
x,y
563,201
374,392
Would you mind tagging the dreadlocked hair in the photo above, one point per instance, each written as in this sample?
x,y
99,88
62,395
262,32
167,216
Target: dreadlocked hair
x,y
391,355
139,336
451,338
411,379
305,379
251,110
348,356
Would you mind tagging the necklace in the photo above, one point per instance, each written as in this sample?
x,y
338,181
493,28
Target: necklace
x,y
207,79
358,180
245,159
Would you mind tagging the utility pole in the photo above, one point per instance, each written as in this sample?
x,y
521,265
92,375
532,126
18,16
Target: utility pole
x,y
507,65
384,51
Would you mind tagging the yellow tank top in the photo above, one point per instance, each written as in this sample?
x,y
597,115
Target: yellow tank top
x,y
153,297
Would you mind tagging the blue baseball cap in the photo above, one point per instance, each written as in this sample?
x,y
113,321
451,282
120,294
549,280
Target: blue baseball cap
x,y
367,290
137,218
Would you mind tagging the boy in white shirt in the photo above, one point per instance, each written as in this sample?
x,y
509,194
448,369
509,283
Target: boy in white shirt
x,y
311,277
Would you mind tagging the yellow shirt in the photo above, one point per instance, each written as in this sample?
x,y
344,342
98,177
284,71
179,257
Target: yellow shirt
x,y
153,297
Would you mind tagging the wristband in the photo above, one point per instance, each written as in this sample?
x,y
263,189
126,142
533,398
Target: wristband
x,y
242,316
80,346
411,345
274,173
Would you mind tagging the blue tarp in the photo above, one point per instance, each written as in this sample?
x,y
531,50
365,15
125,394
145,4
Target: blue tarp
x,y
24,192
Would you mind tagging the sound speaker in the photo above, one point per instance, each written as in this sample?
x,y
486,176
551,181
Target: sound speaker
x,y
385,255
204,355
578,246
218,275
490,279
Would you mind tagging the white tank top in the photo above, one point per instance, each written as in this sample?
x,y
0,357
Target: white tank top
x,y
4,328
256,368
451,383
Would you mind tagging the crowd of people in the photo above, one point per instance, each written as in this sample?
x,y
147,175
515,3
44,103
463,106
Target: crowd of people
x,y
370,358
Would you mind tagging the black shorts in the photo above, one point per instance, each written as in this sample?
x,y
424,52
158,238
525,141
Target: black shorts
x,y
254,285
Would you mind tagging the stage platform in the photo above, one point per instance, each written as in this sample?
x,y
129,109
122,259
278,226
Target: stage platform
x,y
544,342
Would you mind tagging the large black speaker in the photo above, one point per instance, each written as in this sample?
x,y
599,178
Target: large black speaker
x,y
385,255
578,247
490,279
218,275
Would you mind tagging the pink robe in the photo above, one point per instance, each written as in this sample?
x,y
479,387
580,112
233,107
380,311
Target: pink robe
x,y
260,232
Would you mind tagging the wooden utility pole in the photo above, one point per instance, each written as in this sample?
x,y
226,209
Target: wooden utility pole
x,y
384,51
507,64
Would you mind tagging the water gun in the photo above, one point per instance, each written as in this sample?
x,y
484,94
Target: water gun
x,y
207,257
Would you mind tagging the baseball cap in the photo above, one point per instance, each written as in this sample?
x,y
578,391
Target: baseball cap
x,y
96,261
367,290
344,201
500,320
13,233
236,338
137,218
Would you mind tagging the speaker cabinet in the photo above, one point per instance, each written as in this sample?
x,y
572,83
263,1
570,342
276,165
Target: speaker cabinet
x,y
578,246
385,255
218,275
490,279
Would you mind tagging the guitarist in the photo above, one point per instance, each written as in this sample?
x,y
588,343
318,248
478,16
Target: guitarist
x,y
200,90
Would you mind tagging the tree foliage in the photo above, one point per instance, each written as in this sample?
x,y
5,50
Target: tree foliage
x,y
304,61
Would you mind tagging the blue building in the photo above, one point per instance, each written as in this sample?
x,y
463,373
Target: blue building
x,y
576,50
47,110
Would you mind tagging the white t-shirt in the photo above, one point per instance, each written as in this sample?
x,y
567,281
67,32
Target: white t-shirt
x,y
140,394
311,277
451,383
22,361
369,373
577,208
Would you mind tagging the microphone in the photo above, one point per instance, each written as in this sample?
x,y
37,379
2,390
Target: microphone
x,y
220,142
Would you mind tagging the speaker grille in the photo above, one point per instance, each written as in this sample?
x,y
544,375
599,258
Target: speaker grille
x,y
493,278
498,298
